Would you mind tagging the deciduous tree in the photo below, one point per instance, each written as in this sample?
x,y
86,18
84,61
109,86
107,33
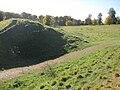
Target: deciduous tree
x,y
1,15
47,20
94,21
117,20
108,20
112,13
41,17
88,20
99,18
68,23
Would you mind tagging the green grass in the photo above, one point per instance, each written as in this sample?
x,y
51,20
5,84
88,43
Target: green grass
x,y
85,36
5,23
26,42
37,42
92,72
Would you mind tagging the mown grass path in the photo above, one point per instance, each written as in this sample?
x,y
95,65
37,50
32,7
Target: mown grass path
x,y
15,72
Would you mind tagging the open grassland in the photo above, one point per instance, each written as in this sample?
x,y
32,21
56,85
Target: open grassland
x,y
99,70
90,35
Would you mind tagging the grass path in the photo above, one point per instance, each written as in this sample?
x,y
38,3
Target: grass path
x,y
15,72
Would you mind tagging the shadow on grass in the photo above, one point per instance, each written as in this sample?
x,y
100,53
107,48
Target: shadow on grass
x,y
29,44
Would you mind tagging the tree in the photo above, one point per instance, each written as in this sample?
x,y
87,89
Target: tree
x,y
52,22
99,18
94,21
41,17
89,16
74,22
24,15
108,20
56,21
16,15
88,20
69,23
117,20
47,20
80,22
1,15
112,13
61,21
8,15
34,17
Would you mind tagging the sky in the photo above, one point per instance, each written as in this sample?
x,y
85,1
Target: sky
x,y
78,9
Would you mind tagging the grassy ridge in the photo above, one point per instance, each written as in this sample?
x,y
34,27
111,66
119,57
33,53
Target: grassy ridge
x,y
93,34
5,23
95,71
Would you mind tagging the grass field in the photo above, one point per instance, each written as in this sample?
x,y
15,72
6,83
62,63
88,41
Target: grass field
x,y
91,35
96,71
28,39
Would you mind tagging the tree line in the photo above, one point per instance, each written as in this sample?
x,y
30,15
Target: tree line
x,y
64,20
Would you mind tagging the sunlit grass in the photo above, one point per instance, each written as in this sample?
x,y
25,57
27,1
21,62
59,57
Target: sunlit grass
x,y
5,23
90,72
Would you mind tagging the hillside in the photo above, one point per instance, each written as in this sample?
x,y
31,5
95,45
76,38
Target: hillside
x,y
24,43
93,66
96,71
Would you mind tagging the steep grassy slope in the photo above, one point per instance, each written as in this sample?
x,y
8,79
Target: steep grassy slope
x,y
24,42
97,71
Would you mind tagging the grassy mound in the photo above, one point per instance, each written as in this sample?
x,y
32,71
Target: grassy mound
x,y
24,42
97,71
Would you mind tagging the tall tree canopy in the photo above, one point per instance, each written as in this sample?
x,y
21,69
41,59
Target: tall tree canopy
x,y
108,20
112,13
88,20
1,15
94,21
68,23
100,18
117,20
47,20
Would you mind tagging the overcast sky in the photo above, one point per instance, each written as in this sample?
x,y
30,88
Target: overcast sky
x,y
78,9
